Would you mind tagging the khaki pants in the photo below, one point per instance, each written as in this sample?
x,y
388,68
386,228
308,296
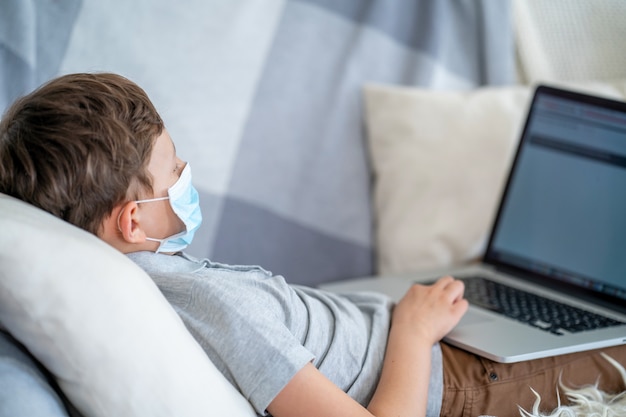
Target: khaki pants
x,y
475,386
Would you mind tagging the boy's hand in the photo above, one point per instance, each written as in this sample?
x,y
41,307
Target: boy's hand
x,y
430,312
420,319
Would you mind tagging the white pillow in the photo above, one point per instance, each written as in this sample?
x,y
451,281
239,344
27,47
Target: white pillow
x,y
100,325
440,159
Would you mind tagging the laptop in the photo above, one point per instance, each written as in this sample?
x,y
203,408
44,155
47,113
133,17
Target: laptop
x,y
558,241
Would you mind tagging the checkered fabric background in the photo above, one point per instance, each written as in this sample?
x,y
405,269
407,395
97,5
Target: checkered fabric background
x,y
264,99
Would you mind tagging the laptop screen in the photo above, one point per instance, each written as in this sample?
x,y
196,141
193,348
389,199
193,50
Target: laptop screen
x,y
563,214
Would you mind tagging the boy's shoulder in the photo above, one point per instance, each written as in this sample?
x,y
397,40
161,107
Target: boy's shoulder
x,y
183,263
160,263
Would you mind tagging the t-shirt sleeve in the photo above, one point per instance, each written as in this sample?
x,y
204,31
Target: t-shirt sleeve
x,y
245,340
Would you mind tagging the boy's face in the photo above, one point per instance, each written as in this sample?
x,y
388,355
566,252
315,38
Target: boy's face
x,y
158,218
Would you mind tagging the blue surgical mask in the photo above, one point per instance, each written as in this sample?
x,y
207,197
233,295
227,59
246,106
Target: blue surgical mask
x,y
185,203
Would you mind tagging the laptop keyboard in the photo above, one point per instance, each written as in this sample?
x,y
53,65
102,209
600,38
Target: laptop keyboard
x,y
546,314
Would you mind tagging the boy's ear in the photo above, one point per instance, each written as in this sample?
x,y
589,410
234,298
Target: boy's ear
x,y
128,224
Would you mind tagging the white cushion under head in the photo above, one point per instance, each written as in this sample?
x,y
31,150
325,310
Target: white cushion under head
x,y
100,325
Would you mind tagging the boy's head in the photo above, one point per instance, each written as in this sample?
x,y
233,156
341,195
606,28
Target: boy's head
x,y
86,147
78,145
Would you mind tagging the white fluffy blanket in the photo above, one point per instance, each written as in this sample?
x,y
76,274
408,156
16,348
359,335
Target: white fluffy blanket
x,y
586,401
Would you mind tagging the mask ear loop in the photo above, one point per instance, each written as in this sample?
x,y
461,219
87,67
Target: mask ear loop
x,y
147,200
150,200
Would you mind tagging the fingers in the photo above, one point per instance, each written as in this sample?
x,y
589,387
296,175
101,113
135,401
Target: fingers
x,y
453,288
445,280
436,308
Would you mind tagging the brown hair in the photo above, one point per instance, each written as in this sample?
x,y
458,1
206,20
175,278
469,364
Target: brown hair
x,y
78,146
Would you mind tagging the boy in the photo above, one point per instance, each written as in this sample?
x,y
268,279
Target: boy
x,y
91,149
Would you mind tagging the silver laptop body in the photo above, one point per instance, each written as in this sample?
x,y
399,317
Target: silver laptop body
x,y
559,233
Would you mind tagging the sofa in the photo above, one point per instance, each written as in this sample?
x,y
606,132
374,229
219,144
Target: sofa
x,y
330,140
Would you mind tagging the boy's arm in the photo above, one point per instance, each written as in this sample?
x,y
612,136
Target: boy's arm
x,y
420,319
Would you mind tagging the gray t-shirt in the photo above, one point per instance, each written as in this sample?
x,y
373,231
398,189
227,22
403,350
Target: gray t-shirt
x,y
260,331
